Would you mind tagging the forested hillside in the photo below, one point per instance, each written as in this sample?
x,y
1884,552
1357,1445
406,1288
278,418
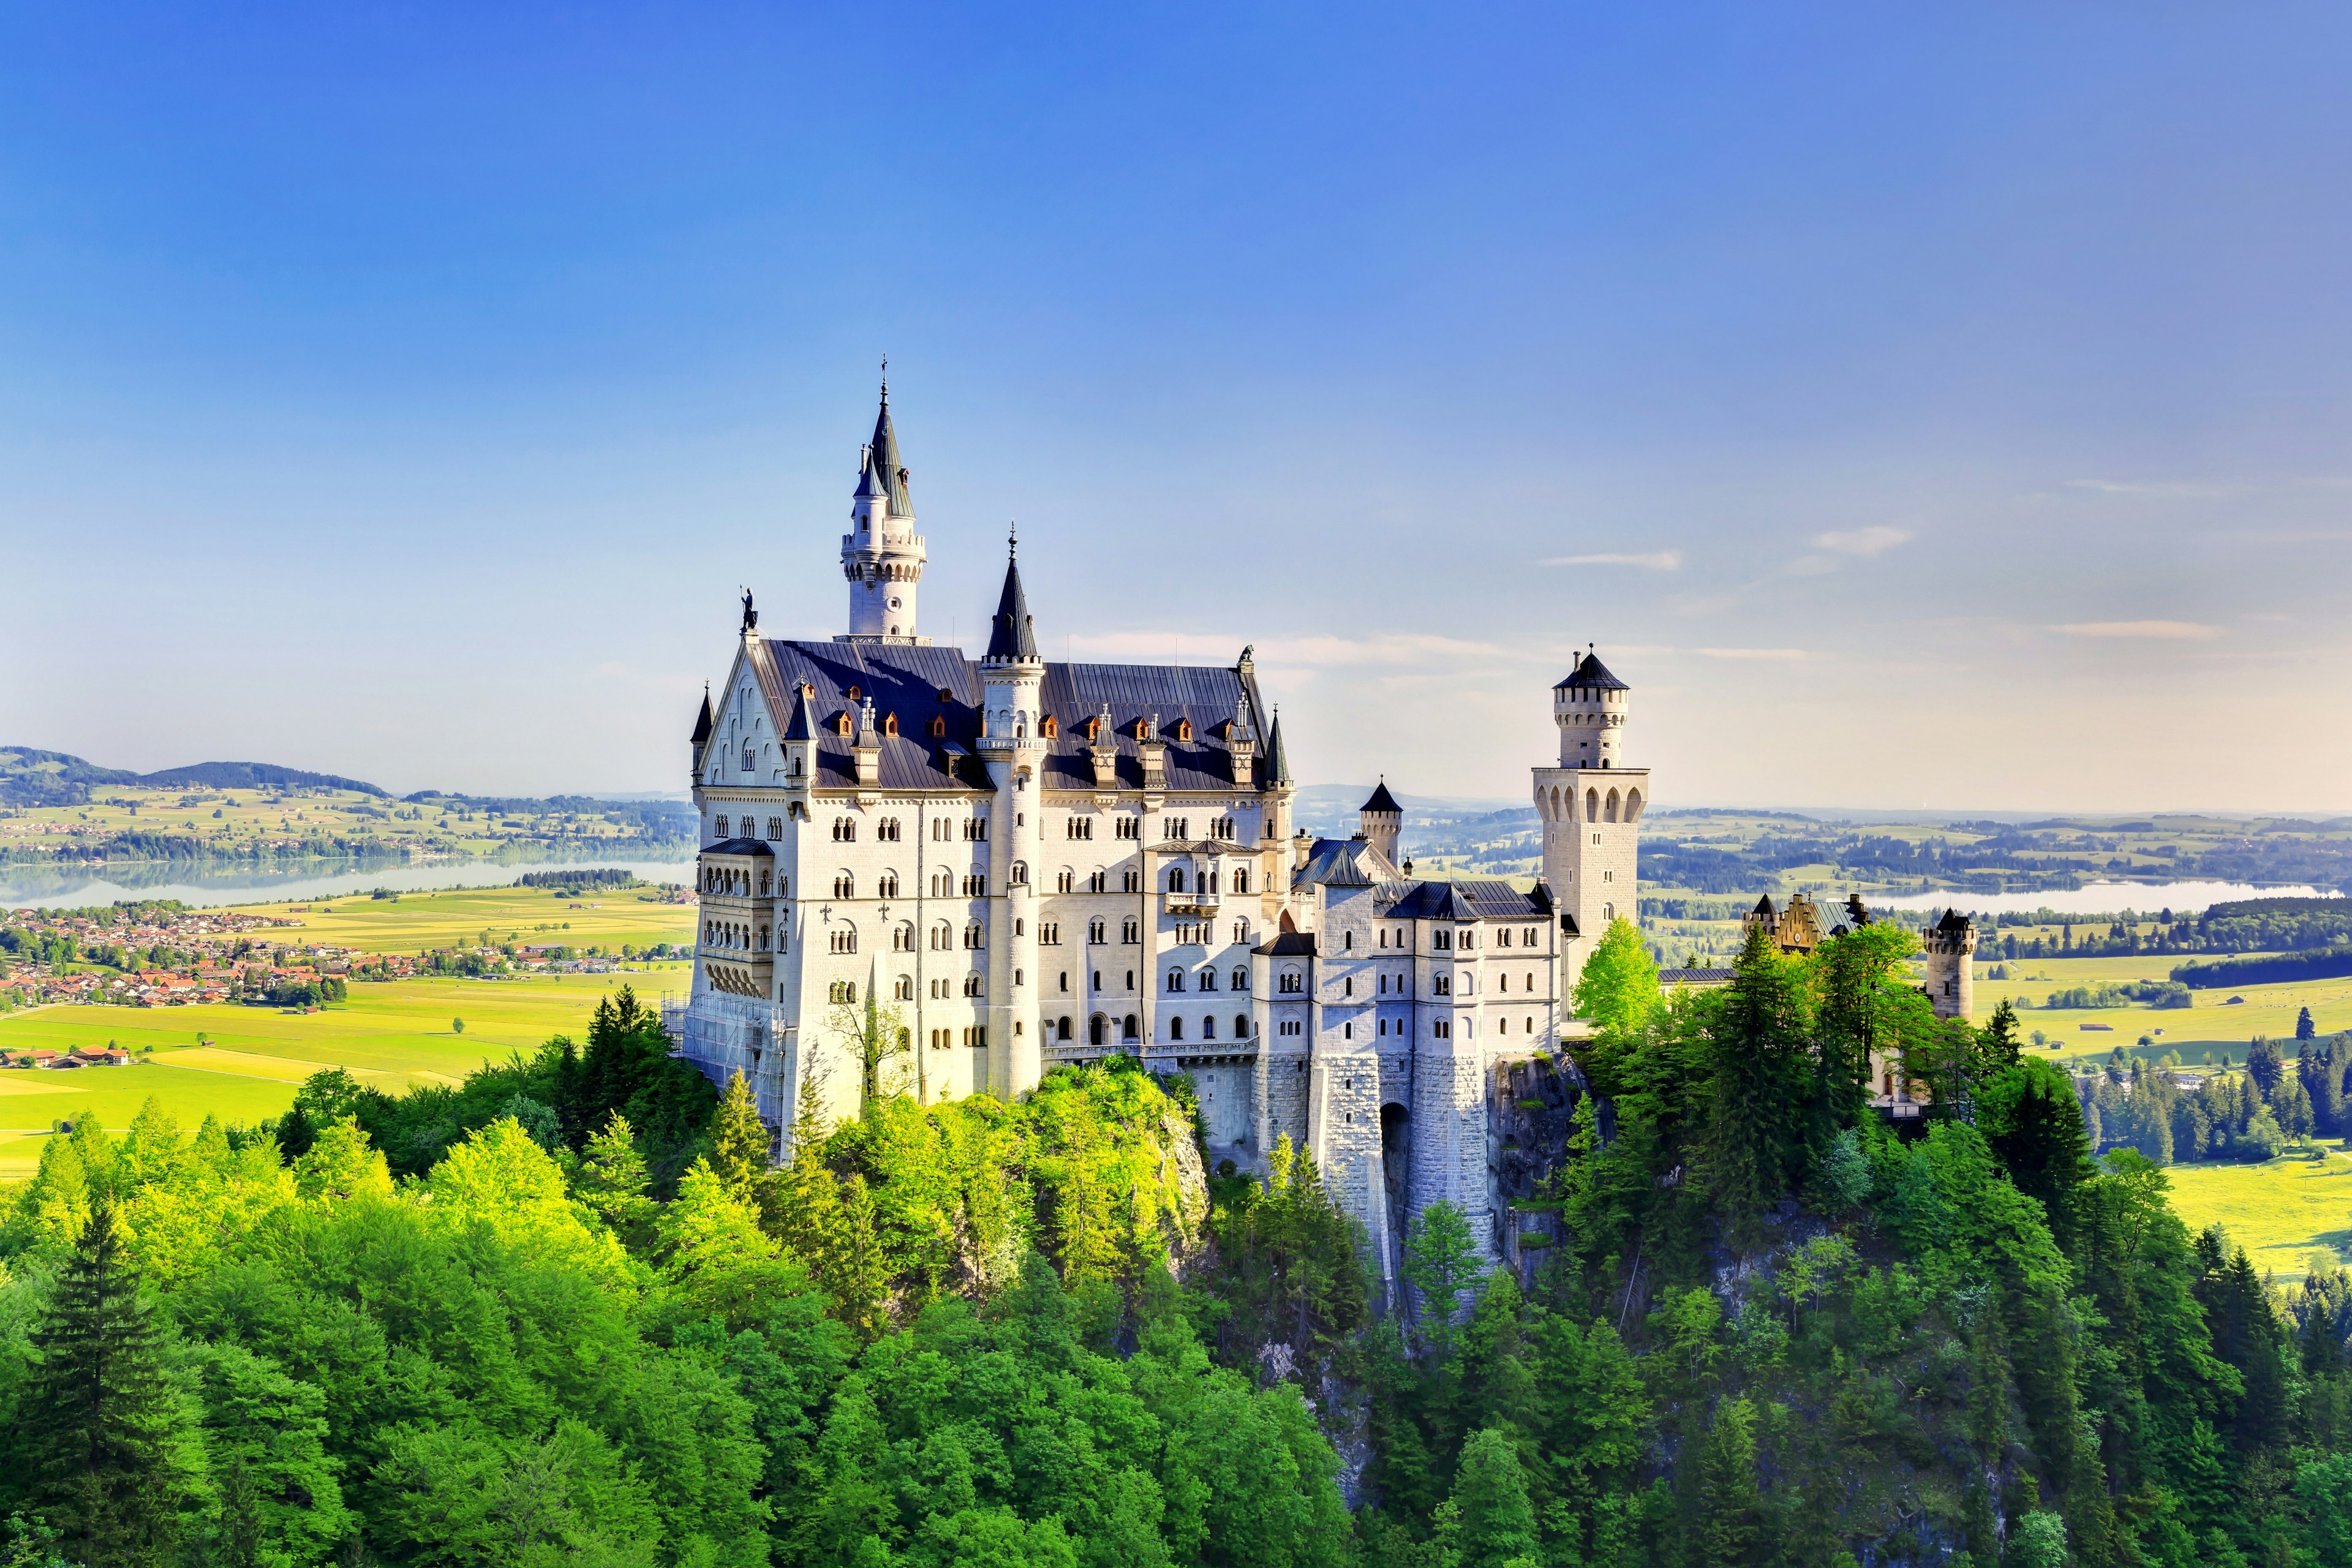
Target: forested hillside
x,y
567,1313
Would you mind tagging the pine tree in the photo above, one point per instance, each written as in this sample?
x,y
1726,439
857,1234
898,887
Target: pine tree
x,y
1731,1508
740,1142
1757,1056
97,1414
1490,1489
2304,1029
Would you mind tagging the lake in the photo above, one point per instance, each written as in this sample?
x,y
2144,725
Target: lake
x,y
23,886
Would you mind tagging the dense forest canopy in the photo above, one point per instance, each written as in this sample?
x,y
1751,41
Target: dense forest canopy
x,y
568,1312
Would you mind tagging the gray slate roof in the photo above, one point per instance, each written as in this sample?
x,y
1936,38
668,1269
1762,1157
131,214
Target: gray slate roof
x,y
1592,675
1382,800
907,681
739,846
1461,898
1010,635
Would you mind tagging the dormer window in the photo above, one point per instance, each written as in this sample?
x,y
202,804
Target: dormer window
x,y
841,724
890,724
939,728
1183,728
855,694
1051,729
1094,731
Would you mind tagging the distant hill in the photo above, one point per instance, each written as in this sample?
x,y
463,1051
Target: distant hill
x,y
29,777
256,775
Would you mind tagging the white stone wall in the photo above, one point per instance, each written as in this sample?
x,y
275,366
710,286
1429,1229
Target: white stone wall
x,y
1344,1136
1589,860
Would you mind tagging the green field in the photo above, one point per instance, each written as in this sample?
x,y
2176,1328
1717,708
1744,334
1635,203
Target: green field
x,y
2282,1211
389,1035
2210,1024
607,919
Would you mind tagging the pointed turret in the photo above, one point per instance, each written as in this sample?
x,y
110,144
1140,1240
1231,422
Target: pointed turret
x,y
1278,760
884,451
1383,820
702,728
802,726
1010,635
882,555
800,741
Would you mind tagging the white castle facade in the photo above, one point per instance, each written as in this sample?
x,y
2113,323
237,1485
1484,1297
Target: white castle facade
x,y
1021,863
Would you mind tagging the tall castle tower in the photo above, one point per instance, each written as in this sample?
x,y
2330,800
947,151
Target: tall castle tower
x,y
1591,810
882,555
1950,945
1383,821
1012,746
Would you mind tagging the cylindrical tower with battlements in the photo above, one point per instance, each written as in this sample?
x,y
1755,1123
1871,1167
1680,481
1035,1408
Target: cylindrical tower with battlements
x,y
1951,945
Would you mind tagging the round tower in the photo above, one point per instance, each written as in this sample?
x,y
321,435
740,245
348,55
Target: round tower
x,y
1012,746
1382,819
882,555
1590,707
1950,945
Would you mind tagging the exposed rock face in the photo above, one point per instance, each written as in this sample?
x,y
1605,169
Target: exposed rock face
x,y
1186,1181
1530,1113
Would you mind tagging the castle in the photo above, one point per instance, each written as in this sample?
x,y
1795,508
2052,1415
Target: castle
x,y
1010,863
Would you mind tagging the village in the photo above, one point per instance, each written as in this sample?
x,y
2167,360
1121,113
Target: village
x,y
161,954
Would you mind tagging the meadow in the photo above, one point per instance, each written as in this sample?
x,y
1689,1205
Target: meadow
x,y
2211,1024
608,919
2282,1211
242,1064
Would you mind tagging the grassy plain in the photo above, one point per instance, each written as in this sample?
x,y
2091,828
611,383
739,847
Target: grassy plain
x,y
2280,1211
392,1035
637,917
2210,1023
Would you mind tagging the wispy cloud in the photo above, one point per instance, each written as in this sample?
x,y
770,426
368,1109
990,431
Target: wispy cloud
x,y
1872,541
1752,653
2164,488
1657,561
2162,631
1301,653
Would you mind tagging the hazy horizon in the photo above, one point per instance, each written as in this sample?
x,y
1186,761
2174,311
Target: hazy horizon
x,y
1941,409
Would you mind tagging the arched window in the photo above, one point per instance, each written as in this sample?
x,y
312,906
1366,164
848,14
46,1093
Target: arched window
x,y
747,756
1129,932
1051,730
841,725
1292,983
939,728
902,939
1020,873
942,936
1175,879
973,936
1207,1026
905,991
842,938
1095,932
719,827
1208,980
1067,881
1062,1026
1633,804
1175,1029
1593,806
844,886
890,724
1128,1029
887,887
845,831
1609,808
1241,878
1175,980
1241,977
1241,1025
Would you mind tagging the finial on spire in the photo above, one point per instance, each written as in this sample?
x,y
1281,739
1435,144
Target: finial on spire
x,y
885,378
1011,538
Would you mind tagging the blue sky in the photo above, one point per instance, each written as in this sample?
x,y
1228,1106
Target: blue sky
x,y
1917,409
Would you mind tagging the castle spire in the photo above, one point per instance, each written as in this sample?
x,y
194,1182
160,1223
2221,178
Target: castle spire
x,y
885,459
1010,635
1278,760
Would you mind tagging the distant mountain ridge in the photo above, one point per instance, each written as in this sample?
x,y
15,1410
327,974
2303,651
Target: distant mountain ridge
x,y
29,777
